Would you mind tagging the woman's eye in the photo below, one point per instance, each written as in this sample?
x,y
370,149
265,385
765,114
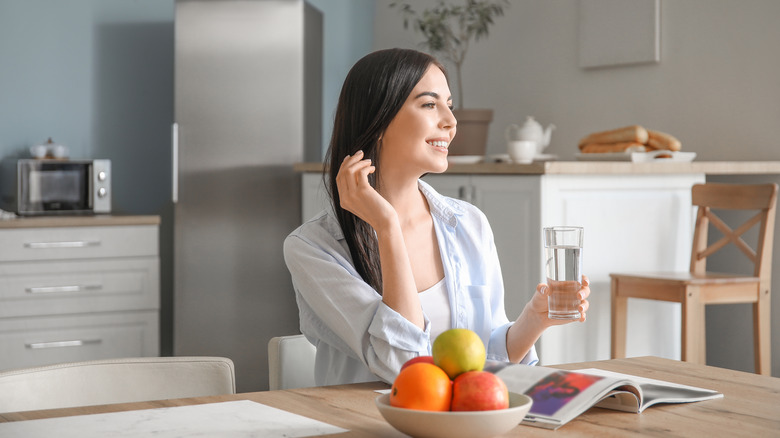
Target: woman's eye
x,y
429,105
451,107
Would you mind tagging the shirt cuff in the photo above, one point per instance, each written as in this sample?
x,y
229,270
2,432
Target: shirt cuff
x,y
398,332
497,349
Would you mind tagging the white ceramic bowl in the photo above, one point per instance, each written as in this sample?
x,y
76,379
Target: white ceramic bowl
x,y
474,424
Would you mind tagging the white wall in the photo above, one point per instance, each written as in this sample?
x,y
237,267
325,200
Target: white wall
x,y
716,88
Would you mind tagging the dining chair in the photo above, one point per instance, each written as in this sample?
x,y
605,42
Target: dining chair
x,y
697,288
290,362
109,381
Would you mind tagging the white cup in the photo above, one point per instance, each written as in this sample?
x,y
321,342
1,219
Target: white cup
x,y
38,151
522,151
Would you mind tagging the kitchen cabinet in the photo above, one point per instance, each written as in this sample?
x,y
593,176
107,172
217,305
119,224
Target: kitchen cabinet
x,y
74,289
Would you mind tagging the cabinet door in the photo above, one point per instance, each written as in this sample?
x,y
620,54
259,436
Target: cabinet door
x,y
79,286
45,340
633,223
511,204
67,243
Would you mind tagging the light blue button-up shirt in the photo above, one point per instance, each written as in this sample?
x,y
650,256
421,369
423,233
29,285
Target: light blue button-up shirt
x,y
358,337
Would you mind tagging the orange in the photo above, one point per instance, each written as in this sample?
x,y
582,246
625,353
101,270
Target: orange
x,y
459,350
422,386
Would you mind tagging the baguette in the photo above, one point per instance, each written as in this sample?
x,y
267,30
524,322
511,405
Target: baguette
x,y
662,141
633,133
605,148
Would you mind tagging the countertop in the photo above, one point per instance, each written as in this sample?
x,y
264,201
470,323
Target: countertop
x,y
600,168
78,221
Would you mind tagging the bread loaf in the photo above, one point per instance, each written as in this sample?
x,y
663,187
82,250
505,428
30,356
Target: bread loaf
x,y
634,133
605,148
662,141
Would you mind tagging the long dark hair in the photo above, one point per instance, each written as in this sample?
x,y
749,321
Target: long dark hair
x,y
374,91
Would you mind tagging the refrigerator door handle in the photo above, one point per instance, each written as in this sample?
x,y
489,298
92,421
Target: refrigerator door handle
x,y
175,161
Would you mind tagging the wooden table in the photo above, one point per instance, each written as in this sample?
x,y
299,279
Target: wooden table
x,y
750,407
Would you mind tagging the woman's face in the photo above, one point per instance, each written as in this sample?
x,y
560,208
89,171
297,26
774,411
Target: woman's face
x,y
417,138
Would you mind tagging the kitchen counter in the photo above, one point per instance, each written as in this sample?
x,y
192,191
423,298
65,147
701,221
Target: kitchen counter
x,y
77,221
600,167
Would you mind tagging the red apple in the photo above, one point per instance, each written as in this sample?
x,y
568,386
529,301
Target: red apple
x,y
479,391
425,359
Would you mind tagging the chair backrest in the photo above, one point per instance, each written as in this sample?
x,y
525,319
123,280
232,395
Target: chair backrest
x,y
290,362
715,196
114,381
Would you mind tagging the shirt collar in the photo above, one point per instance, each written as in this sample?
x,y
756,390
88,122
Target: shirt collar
x,y
442,207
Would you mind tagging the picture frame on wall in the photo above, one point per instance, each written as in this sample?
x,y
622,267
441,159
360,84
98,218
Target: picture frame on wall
x,y
619,32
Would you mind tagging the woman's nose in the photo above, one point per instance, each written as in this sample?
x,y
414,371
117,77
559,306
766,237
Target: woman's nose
x,y
448,120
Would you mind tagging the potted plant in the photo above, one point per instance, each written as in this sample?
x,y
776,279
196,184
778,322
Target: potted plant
x,y
448,30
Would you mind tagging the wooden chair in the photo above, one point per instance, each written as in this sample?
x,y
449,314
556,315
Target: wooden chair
x,y
697,288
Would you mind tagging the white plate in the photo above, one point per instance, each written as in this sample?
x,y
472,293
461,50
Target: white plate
x,y
545,157
473,424
465,159
505,158
640,157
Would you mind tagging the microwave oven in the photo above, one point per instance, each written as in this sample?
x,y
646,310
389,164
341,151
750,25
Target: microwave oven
x,y
32,187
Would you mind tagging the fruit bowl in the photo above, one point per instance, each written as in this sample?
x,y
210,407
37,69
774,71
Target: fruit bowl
x,y
471,424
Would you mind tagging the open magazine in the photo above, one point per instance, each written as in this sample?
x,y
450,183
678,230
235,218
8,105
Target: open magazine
x,y
559,396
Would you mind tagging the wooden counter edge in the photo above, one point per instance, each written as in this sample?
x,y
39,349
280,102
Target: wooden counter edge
x,y
597,167
79,221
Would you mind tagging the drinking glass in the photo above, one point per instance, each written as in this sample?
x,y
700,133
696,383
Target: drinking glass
x,y
563,263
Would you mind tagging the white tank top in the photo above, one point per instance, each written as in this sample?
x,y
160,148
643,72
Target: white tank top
x,y
436,305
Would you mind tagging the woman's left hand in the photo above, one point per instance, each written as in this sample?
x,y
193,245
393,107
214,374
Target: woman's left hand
x,y
538,304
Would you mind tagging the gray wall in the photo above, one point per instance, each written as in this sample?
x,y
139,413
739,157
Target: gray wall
x,y
716,89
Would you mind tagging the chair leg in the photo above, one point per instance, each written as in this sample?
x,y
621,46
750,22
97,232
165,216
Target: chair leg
x,y
693,343
618,323
761,333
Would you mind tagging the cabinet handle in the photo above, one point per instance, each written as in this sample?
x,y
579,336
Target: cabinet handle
x,y
467,193
71,244
463,193
60,344
53,289
175,162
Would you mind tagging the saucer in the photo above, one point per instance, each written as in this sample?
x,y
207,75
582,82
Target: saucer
x,y
545,157
465,159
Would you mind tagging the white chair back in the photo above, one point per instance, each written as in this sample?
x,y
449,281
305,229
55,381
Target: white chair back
x,y
114,381
290,362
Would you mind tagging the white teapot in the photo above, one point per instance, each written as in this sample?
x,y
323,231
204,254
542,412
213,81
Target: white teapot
x,y
530,130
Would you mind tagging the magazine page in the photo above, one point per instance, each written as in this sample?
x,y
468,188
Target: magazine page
x,y
558,395
652,392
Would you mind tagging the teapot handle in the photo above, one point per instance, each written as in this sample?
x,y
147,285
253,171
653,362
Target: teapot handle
x,y
508,130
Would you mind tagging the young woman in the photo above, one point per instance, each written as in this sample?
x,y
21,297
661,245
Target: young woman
x,y
393,263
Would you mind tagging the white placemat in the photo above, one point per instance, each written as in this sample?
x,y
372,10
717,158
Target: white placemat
x,y
237,419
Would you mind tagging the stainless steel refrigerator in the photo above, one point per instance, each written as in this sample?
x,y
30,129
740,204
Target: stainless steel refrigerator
x,y
247,107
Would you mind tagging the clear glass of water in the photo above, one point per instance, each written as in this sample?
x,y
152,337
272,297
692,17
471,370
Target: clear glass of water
x,y
563,264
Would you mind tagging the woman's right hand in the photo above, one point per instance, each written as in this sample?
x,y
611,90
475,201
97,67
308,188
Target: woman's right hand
x,y
356,194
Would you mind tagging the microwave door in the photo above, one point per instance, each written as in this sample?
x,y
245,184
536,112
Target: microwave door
x,y
55,188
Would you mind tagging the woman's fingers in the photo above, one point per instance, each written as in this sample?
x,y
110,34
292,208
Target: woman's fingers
x,y
353,171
